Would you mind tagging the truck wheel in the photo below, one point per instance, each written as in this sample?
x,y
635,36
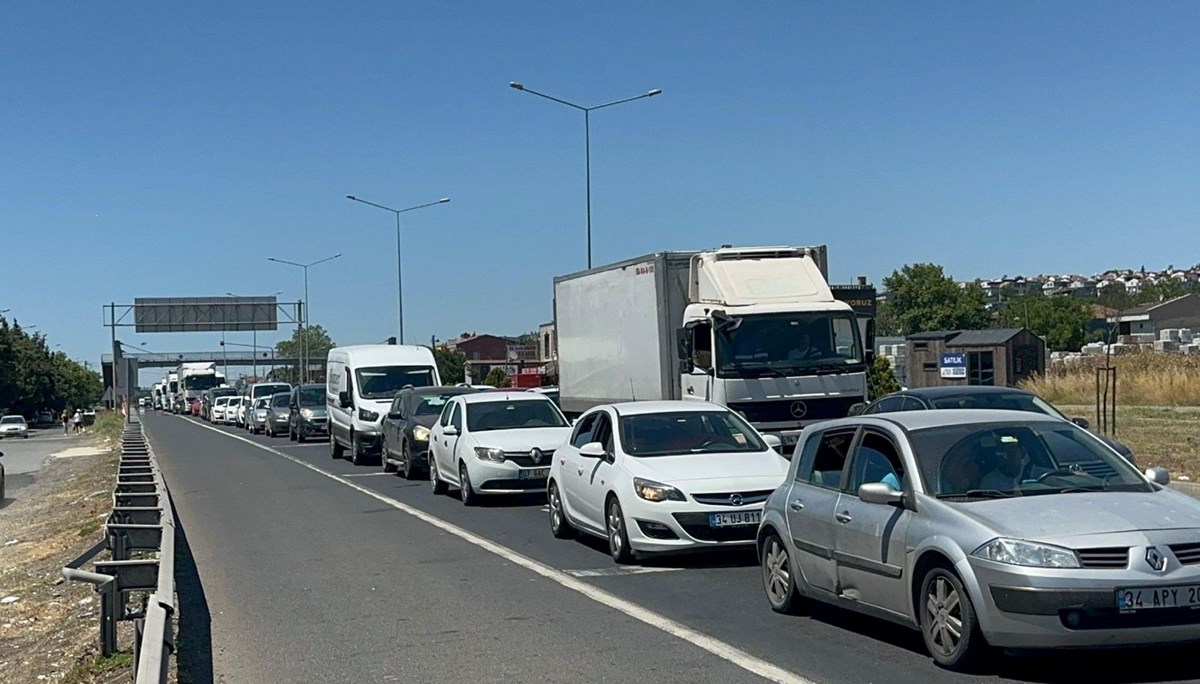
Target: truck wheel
x,y
356,455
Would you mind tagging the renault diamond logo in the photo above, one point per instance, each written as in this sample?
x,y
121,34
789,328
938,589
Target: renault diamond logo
x,y
735,499
536,456
1155,559
799,409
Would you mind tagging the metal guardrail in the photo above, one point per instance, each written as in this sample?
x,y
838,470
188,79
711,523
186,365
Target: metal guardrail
x,y
141,522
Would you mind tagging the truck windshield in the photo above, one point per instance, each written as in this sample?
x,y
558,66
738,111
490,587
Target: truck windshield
x,y
201,382
788,342
173,387
384,382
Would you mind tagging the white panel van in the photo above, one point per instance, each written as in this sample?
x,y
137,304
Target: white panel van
x,y
360,383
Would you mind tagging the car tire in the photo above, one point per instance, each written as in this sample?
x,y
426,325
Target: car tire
x,y
560,527
944,608
300,438
435,482
356,456
614,530
779,579
410,471
336,450
388,466
465,491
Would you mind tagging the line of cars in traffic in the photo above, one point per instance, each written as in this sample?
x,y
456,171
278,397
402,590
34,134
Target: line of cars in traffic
x,y
981,517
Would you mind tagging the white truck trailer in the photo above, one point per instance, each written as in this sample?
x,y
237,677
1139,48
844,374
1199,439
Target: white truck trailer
x,y
194,379
755,329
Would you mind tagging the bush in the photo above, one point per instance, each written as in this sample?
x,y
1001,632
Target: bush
x,y
496,377
1145,379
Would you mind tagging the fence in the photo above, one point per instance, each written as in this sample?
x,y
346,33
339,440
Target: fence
x,y
141,523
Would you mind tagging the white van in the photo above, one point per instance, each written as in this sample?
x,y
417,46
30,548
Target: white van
x,y
360,384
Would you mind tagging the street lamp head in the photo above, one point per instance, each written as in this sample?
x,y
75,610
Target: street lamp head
x,y
443,200
515,86
351,197
656,91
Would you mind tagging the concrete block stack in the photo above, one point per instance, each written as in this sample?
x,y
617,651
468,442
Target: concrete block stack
x,y
1166,346
1186,336
1168,335
897,355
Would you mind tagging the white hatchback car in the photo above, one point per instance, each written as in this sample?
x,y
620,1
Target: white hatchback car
x,y
218,409
14,426
495,443
657,476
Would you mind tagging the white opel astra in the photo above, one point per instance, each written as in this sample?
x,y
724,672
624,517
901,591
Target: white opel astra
x,y
495,443
658,476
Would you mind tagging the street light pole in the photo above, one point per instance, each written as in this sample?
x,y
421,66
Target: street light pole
x,y
304,317
254,332
399,262
587,142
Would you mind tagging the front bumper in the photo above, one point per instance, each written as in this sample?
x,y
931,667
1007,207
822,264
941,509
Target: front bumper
x,y
1077,608
657,527
309,426
489,477
419,453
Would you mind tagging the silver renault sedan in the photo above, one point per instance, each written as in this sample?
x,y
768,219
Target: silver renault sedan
x,y
983,528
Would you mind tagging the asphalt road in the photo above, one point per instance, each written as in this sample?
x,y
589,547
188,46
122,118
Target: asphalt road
x,y
24,457
295,567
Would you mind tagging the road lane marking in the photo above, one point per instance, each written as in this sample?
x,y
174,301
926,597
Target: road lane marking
x,y
618,571
722,650
367,474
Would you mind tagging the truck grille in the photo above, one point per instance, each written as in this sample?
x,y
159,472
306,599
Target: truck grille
x,y
780,410
1116,557
1186,554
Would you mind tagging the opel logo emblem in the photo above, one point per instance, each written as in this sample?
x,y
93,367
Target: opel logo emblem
x,y
536,456
1155,559
799,409
735,499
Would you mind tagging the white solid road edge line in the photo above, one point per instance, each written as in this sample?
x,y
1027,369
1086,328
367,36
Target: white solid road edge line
x,y
719,648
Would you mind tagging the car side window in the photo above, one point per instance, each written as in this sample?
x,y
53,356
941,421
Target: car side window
x,y
911,404
583,431
876,460
884,405
805,455
398,406
456,418
830,458
603,432
444,420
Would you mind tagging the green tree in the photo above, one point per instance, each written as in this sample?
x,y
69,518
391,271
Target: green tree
x,y
496,377
1115,296
1061,321
880,379
921,297
318,345
32,378
1160,291
452,365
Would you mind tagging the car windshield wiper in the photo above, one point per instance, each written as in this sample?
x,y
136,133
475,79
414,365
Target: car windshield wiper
x,y
981,494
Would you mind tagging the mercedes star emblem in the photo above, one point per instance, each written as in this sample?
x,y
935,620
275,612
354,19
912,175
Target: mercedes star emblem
x,y
799,409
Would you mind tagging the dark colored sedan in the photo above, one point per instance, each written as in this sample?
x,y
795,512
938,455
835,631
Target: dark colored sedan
x,y
975,397
406,427
279,413
308,415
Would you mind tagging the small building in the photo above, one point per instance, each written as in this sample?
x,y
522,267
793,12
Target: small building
x,y
999,356
547,342
1180,312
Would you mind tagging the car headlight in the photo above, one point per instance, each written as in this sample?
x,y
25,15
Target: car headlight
x,y
1027,554
490,454
307,413
421,433
656,491
369,416
262,415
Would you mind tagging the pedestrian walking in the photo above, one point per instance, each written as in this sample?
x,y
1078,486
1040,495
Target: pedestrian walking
x,y
78,419
66,420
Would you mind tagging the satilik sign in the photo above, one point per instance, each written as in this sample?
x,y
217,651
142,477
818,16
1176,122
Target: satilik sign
x,y
953,365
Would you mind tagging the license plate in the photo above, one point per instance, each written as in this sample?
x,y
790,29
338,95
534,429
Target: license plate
x,y
789,440
739,519
1131,600
533,474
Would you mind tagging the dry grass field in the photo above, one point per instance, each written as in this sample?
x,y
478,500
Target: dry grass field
x,y
1147,379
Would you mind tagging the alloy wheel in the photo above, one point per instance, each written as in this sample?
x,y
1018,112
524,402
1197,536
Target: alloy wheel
x,y
779,572
944,619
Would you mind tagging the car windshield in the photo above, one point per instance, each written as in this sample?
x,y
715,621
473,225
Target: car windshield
x,y
687,432
312,396
270,390
770,344
383,382
432,404
262,403
1009,401
973,461
12,420
224,392
280,400
513,415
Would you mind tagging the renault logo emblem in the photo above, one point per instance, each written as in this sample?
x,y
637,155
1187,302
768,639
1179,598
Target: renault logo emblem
x,y
536,456
735,499
799,409
1156,560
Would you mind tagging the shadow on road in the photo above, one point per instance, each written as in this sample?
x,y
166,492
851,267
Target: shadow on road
x,y
194,641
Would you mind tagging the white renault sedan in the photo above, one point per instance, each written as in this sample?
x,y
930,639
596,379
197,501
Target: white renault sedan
x,y
658,476
218,409
495,443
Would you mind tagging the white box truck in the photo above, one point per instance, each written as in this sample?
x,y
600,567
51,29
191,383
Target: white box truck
x,y
755,329
193,379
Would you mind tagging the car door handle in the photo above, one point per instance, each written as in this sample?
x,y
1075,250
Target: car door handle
x,y
796,505
843,517
691,390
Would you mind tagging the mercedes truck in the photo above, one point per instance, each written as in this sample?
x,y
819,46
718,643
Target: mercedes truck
x,y
193,380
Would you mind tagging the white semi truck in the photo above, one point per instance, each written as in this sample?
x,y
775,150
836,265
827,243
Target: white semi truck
x,y
194,379
172,384
755,329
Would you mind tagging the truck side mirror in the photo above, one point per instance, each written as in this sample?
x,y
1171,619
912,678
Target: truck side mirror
x,y
686,366
683,347
869,357
344,399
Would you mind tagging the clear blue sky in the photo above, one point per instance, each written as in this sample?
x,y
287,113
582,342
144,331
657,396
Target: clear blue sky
x,y
167,149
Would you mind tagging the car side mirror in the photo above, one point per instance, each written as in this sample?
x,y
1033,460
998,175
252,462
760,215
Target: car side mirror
x,y
344,400
880,493
593,450
773,441
1159,476
857,409
1081,422
394,415
450,431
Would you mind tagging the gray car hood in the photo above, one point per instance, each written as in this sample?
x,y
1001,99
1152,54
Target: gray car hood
x,y
1070,515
